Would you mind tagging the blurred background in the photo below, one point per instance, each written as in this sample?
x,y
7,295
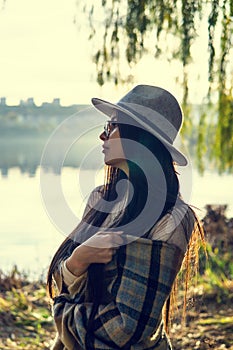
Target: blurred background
x,y
55,55
50,71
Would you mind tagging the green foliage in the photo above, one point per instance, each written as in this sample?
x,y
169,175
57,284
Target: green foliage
x,y
125,26
25,316
223,150
189,9
201,142
132,28
217,275
212,22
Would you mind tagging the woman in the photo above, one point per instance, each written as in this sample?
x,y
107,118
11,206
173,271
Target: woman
x,y
115,272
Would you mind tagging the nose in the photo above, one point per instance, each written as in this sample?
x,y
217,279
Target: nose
x,y
103,136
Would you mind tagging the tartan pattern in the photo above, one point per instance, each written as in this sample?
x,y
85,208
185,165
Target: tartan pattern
x,y
139,280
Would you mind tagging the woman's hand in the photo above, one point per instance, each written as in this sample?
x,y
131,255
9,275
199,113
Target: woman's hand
x,y
100,248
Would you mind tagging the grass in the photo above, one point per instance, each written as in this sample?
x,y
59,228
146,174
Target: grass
x,y
26,322
25,315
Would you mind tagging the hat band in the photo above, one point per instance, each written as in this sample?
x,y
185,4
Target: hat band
x,y
146,121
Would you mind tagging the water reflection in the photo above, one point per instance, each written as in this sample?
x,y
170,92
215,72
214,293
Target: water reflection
x,y
25,153
29,237
22,153
22,140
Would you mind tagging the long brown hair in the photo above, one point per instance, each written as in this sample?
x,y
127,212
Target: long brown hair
x,y
186,277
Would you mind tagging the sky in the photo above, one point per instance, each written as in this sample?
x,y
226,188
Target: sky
x,y
45,55
42,53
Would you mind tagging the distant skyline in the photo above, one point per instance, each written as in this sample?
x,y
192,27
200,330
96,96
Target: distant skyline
x,y
31,102
44,55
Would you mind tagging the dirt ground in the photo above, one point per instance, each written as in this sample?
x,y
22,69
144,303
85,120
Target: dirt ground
x,y
26,322
209,326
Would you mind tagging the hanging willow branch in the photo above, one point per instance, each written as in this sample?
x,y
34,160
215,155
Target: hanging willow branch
x,y
131,20
224,128
122,35
212,21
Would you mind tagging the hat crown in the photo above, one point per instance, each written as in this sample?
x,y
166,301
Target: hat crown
x,y
154,109
158,100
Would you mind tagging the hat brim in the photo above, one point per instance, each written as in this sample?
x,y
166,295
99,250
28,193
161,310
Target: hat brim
x,y
107,108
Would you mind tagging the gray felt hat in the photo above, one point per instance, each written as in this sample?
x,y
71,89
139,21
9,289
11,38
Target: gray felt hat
x,y
153,108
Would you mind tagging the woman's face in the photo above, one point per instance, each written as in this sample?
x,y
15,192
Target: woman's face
x,y
112,146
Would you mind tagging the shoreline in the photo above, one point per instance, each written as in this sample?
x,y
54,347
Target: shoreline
x,y
216,217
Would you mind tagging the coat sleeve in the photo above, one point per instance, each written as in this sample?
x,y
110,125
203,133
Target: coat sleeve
x,y
146,272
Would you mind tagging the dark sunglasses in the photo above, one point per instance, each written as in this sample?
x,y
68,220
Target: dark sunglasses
x,y
109,126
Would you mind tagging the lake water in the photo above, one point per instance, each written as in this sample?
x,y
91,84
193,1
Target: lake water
x,y
28,236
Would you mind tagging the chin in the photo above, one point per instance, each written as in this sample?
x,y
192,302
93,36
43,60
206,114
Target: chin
x,y
115,163
110,162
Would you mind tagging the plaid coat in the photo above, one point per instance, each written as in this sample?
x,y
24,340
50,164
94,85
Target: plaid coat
x,y
138,282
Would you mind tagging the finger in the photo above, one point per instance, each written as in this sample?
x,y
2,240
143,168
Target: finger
x,y
117,240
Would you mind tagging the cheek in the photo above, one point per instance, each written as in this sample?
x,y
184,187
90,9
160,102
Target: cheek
x,y
115,150
119,149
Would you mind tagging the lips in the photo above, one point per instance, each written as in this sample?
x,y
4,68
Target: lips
x,y
105,149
